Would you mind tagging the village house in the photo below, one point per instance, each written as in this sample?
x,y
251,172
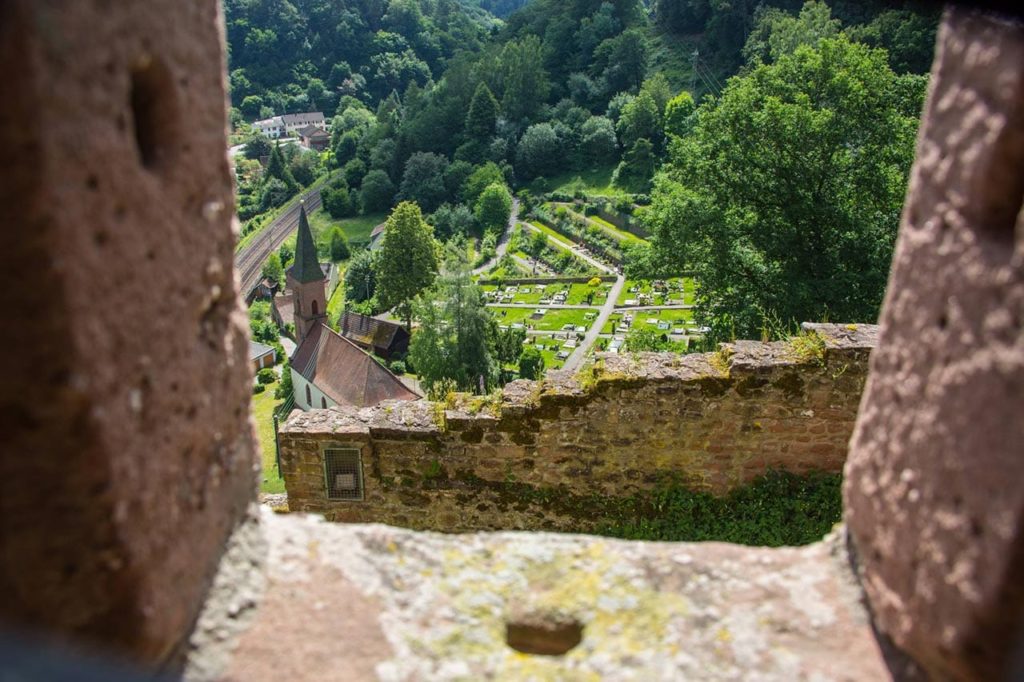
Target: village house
x,y
261,355
380,337
289,125
312,137
328,369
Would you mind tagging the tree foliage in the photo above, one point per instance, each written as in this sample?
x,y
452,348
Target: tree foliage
x,y
360,278
407,261
450,345
493,207
786,195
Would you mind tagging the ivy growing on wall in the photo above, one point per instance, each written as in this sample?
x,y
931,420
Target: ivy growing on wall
x,y
777,509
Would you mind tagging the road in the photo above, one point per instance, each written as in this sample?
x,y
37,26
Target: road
x,y
574,361
249,260
502,245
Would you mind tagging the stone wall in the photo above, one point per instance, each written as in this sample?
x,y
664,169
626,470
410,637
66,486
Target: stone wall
x,y
534,458
934,498
128,453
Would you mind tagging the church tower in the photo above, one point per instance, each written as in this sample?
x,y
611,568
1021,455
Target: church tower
x,y
307,282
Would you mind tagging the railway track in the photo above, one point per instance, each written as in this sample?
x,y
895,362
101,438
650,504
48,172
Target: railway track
x,y
249,261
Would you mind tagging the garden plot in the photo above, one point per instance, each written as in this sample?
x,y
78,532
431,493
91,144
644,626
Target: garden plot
x,y
551,320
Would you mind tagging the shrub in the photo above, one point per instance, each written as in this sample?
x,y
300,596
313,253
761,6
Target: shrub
x,y
258,388
398,367
266,376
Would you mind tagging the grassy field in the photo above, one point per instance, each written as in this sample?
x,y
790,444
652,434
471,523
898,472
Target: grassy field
x,y
337,301
357,229
620,235
555,236
263,405
597,181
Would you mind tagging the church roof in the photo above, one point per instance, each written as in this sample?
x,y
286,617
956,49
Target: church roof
x,y
307,266
344,372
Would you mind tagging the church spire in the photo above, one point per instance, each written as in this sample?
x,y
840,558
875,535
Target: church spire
x,y
307,265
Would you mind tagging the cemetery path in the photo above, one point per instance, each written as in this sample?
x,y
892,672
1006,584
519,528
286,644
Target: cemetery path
x,y
537,269
574,250
502,245
576,359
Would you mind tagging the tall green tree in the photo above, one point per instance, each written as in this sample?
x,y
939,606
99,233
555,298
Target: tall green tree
x,y
360,278
407,261
523,78
450,347
786,195
278,169
338,245
494,207
482,118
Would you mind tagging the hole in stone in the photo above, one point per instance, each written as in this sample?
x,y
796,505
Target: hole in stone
x,y
544,636
943,321
92,183
976,529
100,238
154,112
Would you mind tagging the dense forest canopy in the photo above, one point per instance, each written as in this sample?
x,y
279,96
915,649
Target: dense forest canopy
x,y
765,143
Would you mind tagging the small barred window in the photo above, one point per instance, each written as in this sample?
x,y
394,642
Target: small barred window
x,y
344,474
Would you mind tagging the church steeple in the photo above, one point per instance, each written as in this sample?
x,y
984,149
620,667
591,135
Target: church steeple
x,y
307,266
307,282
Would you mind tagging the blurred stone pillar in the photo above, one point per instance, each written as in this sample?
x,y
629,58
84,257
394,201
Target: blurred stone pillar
x,y
128,449
935,478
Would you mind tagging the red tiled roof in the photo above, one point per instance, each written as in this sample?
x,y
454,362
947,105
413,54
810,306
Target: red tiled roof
x,y
344,372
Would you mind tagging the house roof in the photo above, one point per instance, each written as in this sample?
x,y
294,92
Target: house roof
x,y
368,330
344,372
258,350
376,236
306,117
307,266
312,131
285,305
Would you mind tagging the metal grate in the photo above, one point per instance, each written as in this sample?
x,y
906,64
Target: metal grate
x,y
343,471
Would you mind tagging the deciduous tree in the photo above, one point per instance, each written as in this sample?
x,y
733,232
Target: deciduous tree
x,y
407,261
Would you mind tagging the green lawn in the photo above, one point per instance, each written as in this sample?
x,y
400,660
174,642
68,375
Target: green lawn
x,y
597,181
357,229
263,405
614,232
337,301
550,233
553,321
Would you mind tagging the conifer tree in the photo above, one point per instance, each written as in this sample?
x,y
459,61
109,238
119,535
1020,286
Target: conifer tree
x,y
482,119
277,168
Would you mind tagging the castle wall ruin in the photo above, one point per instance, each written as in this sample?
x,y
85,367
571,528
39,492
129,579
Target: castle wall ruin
x,y
538,457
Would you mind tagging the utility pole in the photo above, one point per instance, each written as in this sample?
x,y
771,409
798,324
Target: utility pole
x,y
693,69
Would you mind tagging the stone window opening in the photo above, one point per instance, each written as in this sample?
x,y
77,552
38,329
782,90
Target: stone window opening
x,y
343,474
